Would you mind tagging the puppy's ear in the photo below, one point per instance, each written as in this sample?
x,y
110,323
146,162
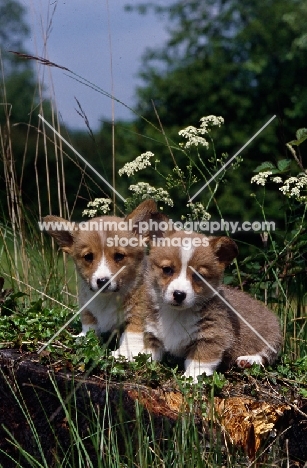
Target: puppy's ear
x,y
143,212
58,228
146,219
159,226
224,248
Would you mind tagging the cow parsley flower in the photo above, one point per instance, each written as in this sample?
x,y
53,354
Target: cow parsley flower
x,y
277,180
89,213
261,178
293,187
194,135
138,164
98,207
198,211
143,189
211,120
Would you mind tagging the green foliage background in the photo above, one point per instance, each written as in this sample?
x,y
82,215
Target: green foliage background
x,y
244,61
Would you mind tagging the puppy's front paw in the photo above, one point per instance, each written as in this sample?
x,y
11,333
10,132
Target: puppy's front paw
x,y
79,335
82,333
194,368
131,344
247,361
122,352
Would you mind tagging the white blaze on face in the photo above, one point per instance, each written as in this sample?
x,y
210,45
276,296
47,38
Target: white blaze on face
x,y
102,271
182,283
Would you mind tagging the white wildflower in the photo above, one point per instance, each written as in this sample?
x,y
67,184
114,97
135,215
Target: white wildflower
x,y
100,203
302,181
261,178
143,189
194,135
295,192
191,134
98,206
292,180
188,131
138,164
210,120
284,189
277,180
293,186
198,211
89,213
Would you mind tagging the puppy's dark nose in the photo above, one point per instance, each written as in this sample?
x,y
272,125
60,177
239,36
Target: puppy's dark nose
x,y
179,296
102,282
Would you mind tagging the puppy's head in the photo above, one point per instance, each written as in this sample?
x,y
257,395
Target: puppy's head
x,y
102,246
186,269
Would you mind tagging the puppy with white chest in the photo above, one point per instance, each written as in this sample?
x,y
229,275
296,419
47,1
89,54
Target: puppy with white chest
x,y
190,314
195,317
109,255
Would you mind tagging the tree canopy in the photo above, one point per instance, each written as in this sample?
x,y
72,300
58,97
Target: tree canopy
x,y
13,31
243,60
18,83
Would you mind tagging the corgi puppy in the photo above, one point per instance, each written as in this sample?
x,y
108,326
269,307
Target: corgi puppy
x,y
109,254
211,326
190,314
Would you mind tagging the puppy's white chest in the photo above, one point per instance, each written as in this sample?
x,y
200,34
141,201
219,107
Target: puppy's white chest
x,y
107,308
177,329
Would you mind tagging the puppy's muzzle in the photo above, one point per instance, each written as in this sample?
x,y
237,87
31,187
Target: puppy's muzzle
x,y
179,296
101,282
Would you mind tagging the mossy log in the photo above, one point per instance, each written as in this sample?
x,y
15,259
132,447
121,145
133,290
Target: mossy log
x,y
30,391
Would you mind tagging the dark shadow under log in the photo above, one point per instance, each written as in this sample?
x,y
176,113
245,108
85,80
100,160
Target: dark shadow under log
x,y
30,393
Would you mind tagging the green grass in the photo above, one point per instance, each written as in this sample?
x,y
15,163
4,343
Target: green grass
x,y
110,435
35,268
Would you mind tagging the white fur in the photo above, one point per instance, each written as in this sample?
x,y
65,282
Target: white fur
x,y
85,329
250,359
175,328
107,308
181,283
156,353
131,344
194,368
103,271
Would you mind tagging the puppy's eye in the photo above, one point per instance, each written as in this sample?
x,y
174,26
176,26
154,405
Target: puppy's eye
x,y
167,270
198,277
118,256
89,257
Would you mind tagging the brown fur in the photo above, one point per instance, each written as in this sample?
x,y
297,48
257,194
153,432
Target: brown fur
x,y
211,331
88,247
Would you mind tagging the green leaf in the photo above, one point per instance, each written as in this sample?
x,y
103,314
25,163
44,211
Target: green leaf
x,y
265,166
284,164
301,135
219,380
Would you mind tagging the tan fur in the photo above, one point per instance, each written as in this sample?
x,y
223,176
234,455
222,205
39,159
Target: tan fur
x,y
207,333
91,248
87,318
